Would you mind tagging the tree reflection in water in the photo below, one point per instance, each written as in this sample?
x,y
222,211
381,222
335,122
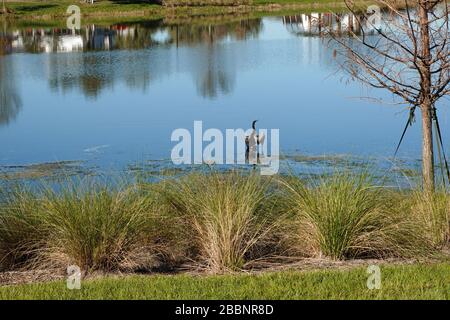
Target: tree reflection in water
x,y
97,69
10,100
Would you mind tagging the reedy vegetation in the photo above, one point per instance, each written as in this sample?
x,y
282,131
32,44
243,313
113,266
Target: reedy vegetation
x,y
433,214
347,216
217,222
90,226
226,216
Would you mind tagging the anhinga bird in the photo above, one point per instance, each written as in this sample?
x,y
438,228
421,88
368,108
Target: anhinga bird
x,y
253,141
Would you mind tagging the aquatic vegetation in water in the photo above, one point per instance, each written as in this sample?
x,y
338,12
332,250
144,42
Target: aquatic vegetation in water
x,y
60,169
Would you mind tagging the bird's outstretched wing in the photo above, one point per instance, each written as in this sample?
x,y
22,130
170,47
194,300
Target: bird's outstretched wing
x,y
261,138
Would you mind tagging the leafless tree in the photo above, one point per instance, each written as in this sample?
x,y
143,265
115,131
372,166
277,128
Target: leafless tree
x,y
407,54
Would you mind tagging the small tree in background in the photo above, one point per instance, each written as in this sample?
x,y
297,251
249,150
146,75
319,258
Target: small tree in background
x,y
408,55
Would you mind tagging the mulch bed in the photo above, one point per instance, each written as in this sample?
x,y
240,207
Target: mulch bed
x,y
33,276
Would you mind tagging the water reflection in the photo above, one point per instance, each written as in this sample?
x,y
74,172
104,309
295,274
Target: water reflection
x,y
147,51
10,100
96,70
316,24
128,86
212,33
128,36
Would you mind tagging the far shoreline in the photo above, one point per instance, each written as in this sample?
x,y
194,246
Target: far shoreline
x,y
52,11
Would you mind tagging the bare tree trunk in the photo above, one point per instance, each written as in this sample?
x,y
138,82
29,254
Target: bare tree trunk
x,y
413,63
4,6
427,149
425,103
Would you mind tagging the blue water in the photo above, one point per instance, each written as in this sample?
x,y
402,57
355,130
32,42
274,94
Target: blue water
x,y
110,103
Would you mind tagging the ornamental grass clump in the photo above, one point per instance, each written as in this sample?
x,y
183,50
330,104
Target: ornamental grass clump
x,y
90,225
346,216
432,211
228,220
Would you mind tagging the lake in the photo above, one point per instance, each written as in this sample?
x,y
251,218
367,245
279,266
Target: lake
x,y
109,97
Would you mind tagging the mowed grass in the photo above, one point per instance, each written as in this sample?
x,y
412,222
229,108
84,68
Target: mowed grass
x,y
49,9
59,7
397,282
52,13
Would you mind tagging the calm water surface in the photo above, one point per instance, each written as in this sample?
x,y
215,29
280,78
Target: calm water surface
x,y
111,96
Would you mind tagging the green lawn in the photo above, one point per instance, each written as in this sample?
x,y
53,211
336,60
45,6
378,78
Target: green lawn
x,y
50,9
397,282
57,8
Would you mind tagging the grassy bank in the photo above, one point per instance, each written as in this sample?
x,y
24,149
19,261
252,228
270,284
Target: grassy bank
x,y
105,9
217,223
397,282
